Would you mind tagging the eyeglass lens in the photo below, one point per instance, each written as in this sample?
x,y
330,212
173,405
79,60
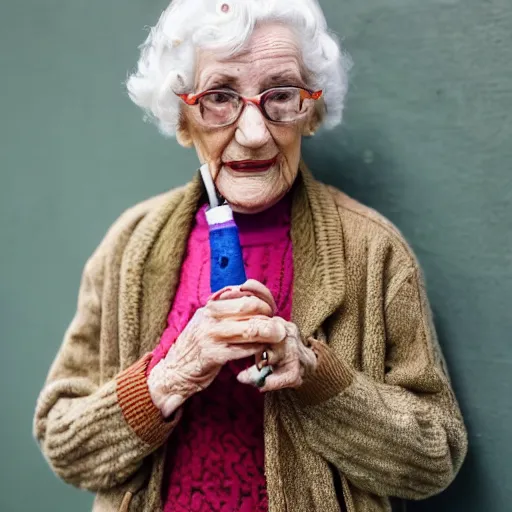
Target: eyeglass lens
x,y
283,104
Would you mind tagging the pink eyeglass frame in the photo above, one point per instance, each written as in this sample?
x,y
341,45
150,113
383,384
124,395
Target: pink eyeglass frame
x,y
305,94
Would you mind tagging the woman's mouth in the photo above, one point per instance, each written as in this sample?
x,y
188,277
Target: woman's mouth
x,y
251,165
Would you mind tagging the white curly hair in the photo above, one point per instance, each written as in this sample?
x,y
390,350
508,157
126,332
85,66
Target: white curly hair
x,y
167,60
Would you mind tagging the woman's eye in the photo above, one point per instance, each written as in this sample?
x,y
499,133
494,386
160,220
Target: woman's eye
x,y
281,96
219,97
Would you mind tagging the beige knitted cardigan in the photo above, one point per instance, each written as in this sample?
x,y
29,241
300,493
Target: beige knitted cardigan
x,y
377,419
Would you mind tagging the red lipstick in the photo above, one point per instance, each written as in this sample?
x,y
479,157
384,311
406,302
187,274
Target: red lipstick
x,y
252,165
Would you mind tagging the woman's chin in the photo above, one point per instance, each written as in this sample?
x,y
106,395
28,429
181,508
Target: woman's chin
x,y
252,205
252,193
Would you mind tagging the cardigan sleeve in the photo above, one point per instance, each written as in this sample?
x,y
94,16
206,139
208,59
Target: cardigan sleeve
x,y
95,434
402,437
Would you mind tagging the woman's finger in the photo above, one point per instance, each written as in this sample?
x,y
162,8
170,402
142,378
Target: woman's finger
x,y
242,307
261,291
271,356
257,329
282,378
250,288
253,375
229,292
221,353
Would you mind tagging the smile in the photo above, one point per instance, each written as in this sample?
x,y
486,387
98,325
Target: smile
x,y
252,165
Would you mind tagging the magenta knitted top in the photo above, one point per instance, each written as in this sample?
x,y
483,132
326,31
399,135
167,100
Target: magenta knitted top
x,y
215,457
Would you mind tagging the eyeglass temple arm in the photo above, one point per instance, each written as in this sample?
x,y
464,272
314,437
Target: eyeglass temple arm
x,y
308,95
189,99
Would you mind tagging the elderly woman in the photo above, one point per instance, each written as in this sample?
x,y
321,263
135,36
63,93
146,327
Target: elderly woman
x,y
155,400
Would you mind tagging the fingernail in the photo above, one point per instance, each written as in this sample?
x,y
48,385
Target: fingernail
x,y
226,291
215,296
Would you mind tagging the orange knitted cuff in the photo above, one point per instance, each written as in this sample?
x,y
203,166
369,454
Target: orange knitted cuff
x,y
331,377
138,408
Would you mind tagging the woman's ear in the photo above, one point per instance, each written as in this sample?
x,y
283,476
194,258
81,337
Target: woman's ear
x,y
183,135
315,119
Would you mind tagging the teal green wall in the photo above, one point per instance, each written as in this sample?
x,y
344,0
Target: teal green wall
x,y
426,140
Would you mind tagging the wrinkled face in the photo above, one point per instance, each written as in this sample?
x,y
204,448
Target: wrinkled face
x,y
237,153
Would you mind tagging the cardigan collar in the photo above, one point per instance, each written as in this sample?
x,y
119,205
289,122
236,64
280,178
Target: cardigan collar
x,y
152,260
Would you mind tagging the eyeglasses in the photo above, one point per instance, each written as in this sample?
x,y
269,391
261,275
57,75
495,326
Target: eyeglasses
x,y
222,107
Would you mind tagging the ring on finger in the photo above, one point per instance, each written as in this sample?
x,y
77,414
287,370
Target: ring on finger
x,y
263,361
270,357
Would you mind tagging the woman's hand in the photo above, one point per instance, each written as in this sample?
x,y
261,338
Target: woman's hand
x,y
237,322
290,359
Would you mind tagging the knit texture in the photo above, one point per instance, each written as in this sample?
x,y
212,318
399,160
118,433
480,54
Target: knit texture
x,y
378,417
215,457
138,407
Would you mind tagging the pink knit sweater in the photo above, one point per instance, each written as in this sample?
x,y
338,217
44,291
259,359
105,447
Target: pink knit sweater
x,y
215,457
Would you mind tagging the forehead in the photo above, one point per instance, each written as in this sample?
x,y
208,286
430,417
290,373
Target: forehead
x,y
273,49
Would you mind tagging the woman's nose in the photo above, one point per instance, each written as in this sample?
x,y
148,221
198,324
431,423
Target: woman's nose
x,y
252,131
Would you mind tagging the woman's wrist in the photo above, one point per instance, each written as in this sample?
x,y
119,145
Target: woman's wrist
x,y
169,388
